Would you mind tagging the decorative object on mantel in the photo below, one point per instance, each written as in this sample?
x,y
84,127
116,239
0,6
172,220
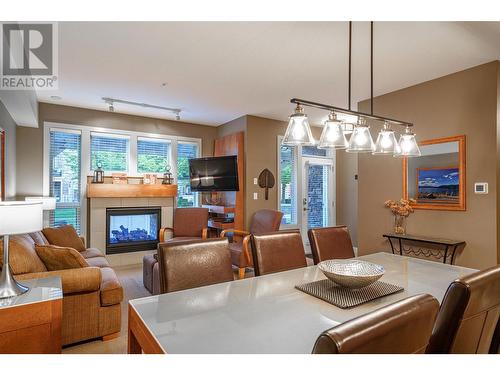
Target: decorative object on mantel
x,y
266,181
149,179
401,210
167,176
342,121
120,178
98,177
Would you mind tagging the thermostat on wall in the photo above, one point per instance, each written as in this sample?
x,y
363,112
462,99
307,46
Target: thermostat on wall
x,y
481,188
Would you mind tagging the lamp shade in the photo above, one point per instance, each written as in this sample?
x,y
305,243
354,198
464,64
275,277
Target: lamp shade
x,y
408,145
18,217
48,203
361,139
386,143
298,131
333,134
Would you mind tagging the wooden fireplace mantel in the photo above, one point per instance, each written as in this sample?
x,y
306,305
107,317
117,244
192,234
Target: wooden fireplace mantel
x,y
130,191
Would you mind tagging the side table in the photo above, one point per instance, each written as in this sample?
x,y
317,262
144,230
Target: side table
x,y
31,323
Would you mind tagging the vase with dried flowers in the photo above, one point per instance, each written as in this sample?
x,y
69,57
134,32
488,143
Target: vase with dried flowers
x,y
401,210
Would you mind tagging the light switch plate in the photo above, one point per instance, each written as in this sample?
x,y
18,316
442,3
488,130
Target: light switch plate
x,y
255,181
255,196
481,187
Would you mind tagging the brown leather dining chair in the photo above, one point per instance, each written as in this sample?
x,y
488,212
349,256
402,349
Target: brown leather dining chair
x,y
192,264
468,320
263,221
330,243
403,327
190,223
277,252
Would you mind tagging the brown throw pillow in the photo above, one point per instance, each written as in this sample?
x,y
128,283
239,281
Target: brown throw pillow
x,y
60,258
64,236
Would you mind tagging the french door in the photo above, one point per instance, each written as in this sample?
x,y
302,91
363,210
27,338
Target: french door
x,y
317,194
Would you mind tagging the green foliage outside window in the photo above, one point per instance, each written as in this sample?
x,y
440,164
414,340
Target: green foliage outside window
x,y
110,161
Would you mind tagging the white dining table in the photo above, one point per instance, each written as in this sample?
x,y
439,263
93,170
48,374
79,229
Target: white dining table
x,y
267,314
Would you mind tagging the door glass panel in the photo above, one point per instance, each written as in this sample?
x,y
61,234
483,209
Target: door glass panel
x,y
317,195
314,151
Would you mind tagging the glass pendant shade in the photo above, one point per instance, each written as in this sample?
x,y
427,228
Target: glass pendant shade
x,y
333,135
361,140
298,131
408,145
386,143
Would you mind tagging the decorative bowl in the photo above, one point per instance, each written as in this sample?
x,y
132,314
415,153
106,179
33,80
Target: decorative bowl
x,y
351,273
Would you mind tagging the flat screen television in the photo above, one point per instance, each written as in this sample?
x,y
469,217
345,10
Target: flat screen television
x,y
218,173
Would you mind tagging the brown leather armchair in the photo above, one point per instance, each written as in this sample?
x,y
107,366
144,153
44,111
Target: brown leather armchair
x,y
403,327
468,321
277,252
192,264
263,221
330,243
190,223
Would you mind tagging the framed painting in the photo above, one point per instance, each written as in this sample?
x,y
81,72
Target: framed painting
x,y
437,185
436,179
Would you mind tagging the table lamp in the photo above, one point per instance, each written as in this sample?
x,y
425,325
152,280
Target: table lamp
x,y
48,204
16,217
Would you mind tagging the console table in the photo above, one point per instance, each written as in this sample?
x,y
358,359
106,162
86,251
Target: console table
x,y
438,248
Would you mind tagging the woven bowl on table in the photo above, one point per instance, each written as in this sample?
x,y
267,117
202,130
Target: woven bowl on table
x,y
351,273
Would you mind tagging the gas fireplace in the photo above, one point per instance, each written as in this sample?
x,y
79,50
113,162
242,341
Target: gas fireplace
x,y
132,229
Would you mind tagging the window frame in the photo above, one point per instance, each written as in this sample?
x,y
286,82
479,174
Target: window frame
x,y
86,170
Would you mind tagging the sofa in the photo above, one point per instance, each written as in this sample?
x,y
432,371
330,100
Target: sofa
x,y
92,295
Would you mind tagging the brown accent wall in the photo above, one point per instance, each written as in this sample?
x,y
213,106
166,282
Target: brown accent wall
x,y
498,160
30,140
460,103
347,192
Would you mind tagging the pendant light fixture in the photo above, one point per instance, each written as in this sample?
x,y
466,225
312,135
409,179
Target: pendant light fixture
x,y
386,143
408,146
333,135
343,121
361,140
298,131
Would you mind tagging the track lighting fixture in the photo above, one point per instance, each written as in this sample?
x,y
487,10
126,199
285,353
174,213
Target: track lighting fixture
x,y
111,101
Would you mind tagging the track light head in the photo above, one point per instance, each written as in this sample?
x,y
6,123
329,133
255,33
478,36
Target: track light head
x,y
178,115
111,108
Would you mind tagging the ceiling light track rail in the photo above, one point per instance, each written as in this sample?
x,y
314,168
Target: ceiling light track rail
x,y
331,108
112,101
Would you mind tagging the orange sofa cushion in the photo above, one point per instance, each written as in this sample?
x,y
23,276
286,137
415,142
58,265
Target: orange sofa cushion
x,y
64,236
22,257
58,258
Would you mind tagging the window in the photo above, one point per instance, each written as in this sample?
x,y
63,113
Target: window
x,y
153,155
64,177
111,150
185,151
288,184
314,151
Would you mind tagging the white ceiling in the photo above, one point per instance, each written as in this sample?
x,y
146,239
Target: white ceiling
x,y
218,71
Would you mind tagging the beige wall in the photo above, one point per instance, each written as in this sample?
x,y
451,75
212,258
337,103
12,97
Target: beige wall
x,y
347,192
498,160
30,140
460,103
262,152
8,124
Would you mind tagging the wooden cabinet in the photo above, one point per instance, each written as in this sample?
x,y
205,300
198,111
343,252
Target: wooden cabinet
x,y
31,323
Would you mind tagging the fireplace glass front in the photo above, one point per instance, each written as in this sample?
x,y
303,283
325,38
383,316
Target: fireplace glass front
x,y
132,229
